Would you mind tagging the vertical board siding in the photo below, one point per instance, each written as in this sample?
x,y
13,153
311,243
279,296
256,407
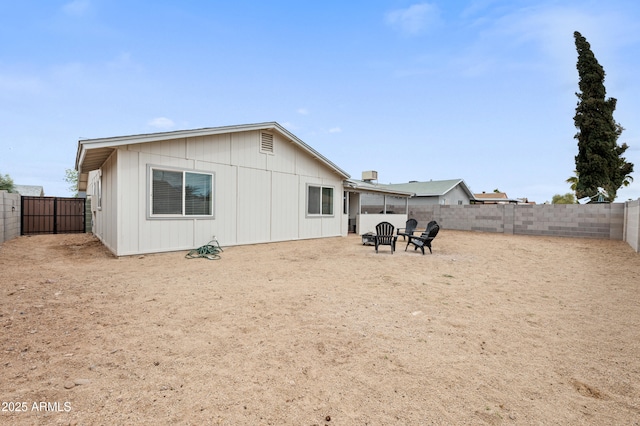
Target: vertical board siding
x,y
223,226
105,218
110,200
132,202
245,151
306,166
211,149
284,207
258,197
284,156
310,226
253,211
175,148
158,234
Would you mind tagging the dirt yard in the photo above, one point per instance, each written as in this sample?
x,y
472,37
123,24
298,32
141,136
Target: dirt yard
x,y
489,329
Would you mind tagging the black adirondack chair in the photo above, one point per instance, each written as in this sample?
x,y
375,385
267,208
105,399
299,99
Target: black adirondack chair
x,y
425,239
384,236
410,226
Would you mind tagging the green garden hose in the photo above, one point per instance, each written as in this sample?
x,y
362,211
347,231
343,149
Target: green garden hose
x,y
208,251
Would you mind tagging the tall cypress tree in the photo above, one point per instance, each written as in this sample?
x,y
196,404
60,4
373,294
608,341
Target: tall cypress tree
x,y
599,162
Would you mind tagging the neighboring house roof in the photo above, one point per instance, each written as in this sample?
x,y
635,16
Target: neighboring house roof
x,y
29,190
494,198
492,195
364,186
92,153
432,188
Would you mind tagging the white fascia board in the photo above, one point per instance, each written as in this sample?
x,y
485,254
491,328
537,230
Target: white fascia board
x,y
155,137
315,154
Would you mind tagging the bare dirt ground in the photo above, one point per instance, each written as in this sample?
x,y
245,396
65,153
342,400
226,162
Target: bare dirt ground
x,y
489,329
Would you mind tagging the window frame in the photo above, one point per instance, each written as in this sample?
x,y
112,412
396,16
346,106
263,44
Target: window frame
x,y
98,190
320,204
183,208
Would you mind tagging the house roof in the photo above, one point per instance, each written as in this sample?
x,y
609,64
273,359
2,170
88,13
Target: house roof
x,y
92,153
364,186
494,197
29,190
432,188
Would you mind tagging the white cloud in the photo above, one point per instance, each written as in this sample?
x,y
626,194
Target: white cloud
x,y
76,7
542,36
303,111
335,130
415,19
162,123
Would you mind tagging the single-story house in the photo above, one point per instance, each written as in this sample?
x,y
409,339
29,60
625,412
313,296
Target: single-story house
x,y
444,192
178,190
29,190
241,184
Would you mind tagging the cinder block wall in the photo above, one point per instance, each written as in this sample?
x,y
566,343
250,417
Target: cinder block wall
x,y
604,221
632,224
9,216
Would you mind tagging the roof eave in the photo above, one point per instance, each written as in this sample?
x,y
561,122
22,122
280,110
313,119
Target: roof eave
x,y
113,142
357,186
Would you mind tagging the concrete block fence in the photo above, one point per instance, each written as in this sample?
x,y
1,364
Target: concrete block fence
x,y
617,221
9,216
632,224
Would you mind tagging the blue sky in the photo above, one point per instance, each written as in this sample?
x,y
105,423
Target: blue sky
x,y
479,90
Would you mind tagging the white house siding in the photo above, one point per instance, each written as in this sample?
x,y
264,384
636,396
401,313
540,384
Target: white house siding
x,y
285,214
244,150
130,177
210,149
105,217
258,197
456,194
225,222
449,199
139,235
254,212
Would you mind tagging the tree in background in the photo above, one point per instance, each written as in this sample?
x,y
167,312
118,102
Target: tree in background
x,y
573,181
71,177
567,198
6,183
599,163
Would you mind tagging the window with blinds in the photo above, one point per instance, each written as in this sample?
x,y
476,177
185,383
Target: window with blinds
x,y
181,193
319,200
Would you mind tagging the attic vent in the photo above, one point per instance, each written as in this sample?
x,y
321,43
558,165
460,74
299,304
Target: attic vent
x,y
266,142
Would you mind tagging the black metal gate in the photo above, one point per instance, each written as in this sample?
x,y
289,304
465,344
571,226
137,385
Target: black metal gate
x,y
52,215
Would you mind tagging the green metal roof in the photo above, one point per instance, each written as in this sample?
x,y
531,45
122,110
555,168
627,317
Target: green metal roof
x,y
363,186
432,188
